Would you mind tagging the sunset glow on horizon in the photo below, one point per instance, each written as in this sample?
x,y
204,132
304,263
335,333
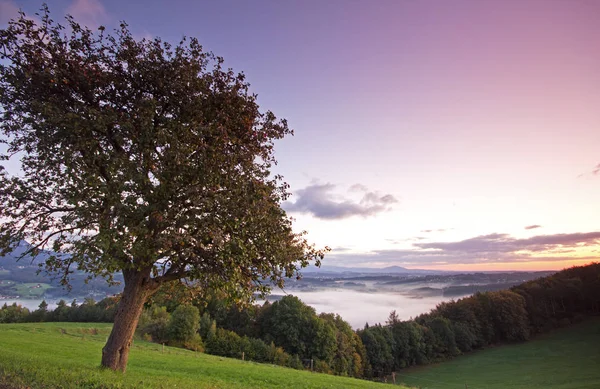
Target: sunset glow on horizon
x,y
459,135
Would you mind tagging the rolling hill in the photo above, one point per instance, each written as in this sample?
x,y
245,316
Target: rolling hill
x,y
67,355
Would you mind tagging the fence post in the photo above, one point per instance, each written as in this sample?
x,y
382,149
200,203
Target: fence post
x,y
311,364
163,348
243,356
394,377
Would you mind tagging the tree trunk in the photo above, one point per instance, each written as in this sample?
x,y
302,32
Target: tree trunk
x,y
138,287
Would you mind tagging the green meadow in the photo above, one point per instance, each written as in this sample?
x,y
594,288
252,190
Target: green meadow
x,y
564,359
67,355
31,290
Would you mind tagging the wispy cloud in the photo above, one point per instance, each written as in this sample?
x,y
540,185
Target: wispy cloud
x,y
8,10
321,201
358,188
402,241
90,13
340,249
143,35
504,243
595,172
491,248
533,227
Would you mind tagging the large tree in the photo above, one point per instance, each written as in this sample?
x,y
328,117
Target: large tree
x,y
139,157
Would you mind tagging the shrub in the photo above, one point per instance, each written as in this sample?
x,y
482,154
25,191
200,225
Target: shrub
x,y
184,324
155,323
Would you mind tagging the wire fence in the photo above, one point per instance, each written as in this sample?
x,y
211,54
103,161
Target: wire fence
x,y
395,378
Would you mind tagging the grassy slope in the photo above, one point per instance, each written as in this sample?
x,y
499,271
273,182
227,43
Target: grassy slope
x,y
29,290
564,359
41,356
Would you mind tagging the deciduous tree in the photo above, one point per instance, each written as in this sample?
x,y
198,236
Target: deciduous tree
x,y
139,157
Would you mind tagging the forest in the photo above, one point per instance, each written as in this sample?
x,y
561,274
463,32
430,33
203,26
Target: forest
x,y
287,332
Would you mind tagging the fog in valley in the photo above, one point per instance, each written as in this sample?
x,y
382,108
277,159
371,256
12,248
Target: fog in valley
x,y
33,304
369,298
358,298
358,308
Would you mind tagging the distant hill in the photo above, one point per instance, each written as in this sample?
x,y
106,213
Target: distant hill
x,y
25,270
14,260
396,270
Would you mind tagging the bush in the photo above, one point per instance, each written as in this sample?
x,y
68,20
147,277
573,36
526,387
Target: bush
x,y
13,313
224,343
464,337
184,324
256,350
155,324
194,344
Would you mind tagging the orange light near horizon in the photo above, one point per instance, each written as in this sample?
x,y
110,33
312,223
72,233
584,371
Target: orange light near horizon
x,y
512,266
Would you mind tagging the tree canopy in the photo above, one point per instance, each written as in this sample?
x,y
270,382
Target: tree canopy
x,y
141,157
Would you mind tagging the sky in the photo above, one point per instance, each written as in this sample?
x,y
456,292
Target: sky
x,y
458,135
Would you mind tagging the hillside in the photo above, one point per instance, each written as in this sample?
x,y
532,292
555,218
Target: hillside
x,y
67,355
18,275
563,359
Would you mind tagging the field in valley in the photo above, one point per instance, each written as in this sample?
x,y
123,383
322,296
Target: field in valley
x,y
564,359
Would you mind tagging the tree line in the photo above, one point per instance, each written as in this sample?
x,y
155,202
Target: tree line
x,y
290,333
286,332
89,311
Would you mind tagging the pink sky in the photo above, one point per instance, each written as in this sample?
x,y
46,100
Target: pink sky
x,y
476,117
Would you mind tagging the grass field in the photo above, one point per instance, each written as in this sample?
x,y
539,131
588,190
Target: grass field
x,y
67,355
564,359
30,290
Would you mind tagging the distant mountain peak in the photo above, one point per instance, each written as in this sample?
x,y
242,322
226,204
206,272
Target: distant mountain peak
x,y
395,268
369,270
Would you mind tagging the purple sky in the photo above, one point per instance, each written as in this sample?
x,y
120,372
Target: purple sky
x,y
418,123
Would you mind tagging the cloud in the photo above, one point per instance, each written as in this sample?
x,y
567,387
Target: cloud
x,y
491,248
90,13
340,249
438,230
143,35
595,172
358,188
533,226
320,201
8,10
401,241
503,243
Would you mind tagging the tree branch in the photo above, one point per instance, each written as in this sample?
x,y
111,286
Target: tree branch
x,y
172,276
48,207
